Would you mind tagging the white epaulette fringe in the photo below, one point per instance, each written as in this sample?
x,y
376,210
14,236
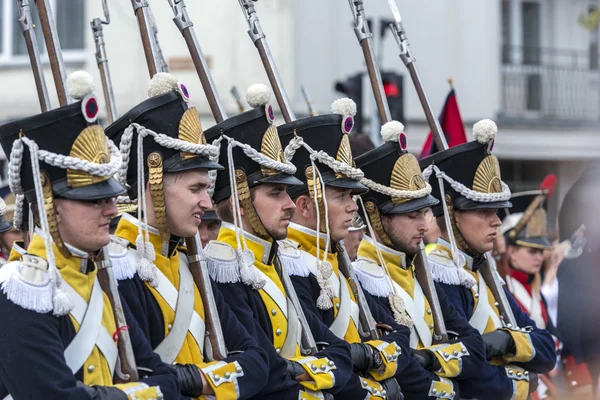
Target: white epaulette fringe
x,y
27,284
292,260
123,265
222,262
372,278
443,270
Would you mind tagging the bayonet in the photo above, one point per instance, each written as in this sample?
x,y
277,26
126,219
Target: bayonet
x,y
102,61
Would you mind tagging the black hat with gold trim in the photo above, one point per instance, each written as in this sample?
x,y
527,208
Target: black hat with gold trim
x,y
251,151
534,233
471,174
63,135
324,138
394,178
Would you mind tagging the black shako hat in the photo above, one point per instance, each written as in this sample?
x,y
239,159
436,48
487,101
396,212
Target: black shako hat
x,y
71,131
392,166
328,134
474,169
535,232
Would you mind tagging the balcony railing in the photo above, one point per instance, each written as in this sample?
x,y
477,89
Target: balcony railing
x,y
550,84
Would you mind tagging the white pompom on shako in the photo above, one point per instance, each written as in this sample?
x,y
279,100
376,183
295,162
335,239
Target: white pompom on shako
x,y
81,87
391,131
259,95
80,84
347,109
162,83
485,131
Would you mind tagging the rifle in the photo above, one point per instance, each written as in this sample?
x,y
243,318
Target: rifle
x,y
102,61
311,108
238,99
367,328
54,53
308,345
151,50
422,271
259,39
126,370
34,53
186,27
408,60
199,270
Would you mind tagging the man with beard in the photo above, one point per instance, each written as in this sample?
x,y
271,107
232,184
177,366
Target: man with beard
x,y
324,213
398,209
471,191
255,210
165,136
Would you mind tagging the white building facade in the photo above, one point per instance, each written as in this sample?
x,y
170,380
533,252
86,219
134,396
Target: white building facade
x,y
528,64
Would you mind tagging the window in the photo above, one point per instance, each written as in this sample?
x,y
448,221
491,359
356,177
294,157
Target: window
x,y
594,49
70,24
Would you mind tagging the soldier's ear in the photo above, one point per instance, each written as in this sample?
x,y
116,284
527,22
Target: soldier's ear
x,y
231,206
304,206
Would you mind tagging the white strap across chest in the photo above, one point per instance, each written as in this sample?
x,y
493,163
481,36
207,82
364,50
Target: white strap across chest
x,y
274,292
91,331
483,312
415,307
181,301
532,304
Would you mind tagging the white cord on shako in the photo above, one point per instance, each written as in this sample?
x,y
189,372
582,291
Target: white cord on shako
x,y
61,302
396,303
248,274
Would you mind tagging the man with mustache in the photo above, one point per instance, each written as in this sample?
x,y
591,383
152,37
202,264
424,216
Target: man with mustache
x,y
255,210
469,187
59,331
166,163
324,212
397,209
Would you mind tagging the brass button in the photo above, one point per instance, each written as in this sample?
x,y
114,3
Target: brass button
x,y
337,306
170,326
429,311
227,375
278,350
278,332
238,370
91,369
273,312
431,326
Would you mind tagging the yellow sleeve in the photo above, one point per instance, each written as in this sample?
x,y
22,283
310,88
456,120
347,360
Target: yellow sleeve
x,y
442,389
140,391
520,380
389,353
222,377
319,370
374,389
450,358
524,347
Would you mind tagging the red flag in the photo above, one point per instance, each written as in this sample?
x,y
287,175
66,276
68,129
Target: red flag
x,y
452,126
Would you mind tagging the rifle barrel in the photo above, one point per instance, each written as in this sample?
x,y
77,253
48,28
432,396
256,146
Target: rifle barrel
x,y
151,51
102,61
34,54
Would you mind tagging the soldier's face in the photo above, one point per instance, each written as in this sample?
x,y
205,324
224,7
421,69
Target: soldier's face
x,y
406,231
209,230
526,259
186,199
274,207
340,207
85,224
479,228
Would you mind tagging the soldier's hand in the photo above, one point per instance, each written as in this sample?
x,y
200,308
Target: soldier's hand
x,y
392,389
426,358
365,358
190,380
296,371
534,381
498,343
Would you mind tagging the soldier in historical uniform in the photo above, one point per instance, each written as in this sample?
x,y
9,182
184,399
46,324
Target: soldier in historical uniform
x,y
255,210
324,213
398,208
467,182
58,325
164,137
9,235
209,227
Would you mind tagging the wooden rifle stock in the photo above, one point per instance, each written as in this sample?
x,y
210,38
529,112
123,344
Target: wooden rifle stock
x,y
126,370
198,268
368,325
142,13
186,27
34,53
423,276
308,344
54,53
